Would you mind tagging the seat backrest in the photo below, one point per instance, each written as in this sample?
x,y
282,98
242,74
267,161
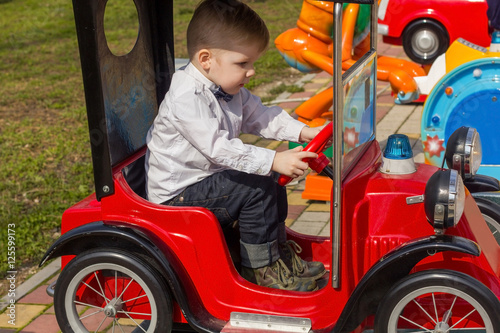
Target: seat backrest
x,y
122,93
135,175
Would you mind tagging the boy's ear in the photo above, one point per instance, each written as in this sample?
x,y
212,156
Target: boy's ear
x,y
205,58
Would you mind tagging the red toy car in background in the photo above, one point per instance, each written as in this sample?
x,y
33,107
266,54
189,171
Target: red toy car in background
x,y
426,28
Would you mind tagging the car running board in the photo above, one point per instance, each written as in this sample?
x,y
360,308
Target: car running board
x,y
252,322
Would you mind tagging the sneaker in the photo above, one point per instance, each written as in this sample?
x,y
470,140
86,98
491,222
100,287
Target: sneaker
x,y
278,276
300,268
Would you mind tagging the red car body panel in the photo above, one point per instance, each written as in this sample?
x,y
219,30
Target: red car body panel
x,y
193,242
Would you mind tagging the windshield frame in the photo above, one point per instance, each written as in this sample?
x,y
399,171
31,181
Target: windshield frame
x,y
339,81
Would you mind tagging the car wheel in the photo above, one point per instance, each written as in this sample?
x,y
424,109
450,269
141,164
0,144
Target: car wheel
x,y
491,214
111,291
438,301
424,40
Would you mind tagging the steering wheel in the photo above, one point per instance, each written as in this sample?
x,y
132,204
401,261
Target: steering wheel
x,y
316,145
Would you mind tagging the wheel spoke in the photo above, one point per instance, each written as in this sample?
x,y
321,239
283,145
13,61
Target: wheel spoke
x,y
86,304
421,308
133,299
135,313
100,287
126,313
120,326
435,308
117,322
90,314
474,310
414,323
125,289
98,293
453,304
102,322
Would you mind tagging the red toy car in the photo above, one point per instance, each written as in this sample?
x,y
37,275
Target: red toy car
x,y
408,249
426,28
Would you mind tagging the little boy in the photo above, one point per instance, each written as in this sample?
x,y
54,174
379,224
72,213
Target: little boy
x,y
195,156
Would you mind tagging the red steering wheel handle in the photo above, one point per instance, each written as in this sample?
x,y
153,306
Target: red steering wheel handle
x,y
316,145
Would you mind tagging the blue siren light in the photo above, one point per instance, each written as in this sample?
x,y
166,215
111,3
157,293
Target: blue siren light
x,y
495,37
398,147
398,156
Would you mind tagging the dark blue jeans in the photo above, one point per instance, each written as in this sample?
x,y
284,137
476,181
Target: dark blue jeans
x,y
258,203
493,13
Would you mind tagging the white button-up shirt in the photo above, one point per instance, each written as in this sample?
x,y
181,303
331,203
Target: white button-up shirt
x,y
195,135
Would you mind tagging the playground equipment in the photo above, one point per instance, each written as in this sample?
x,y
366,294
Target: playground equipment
x,y
463,90
309,48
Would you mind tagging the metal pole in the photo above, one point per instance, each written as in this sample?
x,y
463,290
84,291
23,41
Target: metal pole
x,y
338,106
373,41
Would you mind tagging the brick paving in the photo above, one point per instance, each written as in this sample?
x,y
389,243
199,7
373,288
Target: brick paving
x,y
34,310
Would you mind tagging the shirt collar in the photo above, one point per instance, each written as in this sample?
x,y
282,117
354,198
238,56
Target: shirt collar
x,y
195,72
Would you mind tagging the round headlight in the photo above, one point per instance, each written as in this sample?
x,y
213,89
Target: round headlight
x,y
444,199
464,151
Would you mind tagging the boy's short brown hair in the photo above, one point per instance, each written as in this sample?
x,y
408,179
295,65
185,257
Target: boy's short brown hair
x,y
222,23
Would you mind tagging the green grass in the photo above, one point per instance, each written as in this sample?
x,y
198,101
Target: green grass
x,y
288,88
44,146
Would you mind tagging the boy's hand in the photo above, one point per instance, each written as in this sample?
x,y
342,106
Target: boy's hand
x,y
289,162
308,133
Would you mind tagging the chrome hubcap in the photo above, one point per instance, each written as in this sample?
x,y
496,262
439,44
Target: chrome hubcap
x,y
113,307
425,42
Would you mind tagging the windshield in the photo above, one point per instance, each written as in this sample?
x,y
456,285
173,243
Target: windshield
x,y
359,119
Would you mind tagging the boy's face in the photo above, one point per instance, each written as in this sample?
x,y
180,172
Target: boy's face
x,y
232,69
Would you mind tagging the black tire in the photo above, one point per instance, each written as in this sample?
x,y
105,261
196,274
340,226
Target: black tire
x,y
424,299
491,214
129,286
424,40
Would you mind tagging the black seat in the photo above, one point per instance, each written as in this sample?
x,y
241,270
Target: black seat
x,y
135,175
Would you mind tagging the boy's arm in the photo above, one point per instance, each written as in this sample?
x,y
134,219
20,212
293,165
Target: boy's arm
x,y
268,122
201,128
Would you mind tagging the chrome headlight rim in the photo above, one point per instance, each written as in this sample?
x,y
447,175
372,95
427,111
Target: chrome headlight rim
x,y
444,199
456,192
464,151
471,143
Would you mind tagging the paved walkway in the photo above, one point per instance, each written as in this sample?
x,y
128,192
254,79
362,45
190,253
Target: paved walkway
x,y
34,311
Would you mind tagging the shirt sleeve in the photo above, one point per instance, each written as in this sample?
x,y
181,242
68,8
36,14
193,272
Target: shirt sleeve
x,y
198,123
268,122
